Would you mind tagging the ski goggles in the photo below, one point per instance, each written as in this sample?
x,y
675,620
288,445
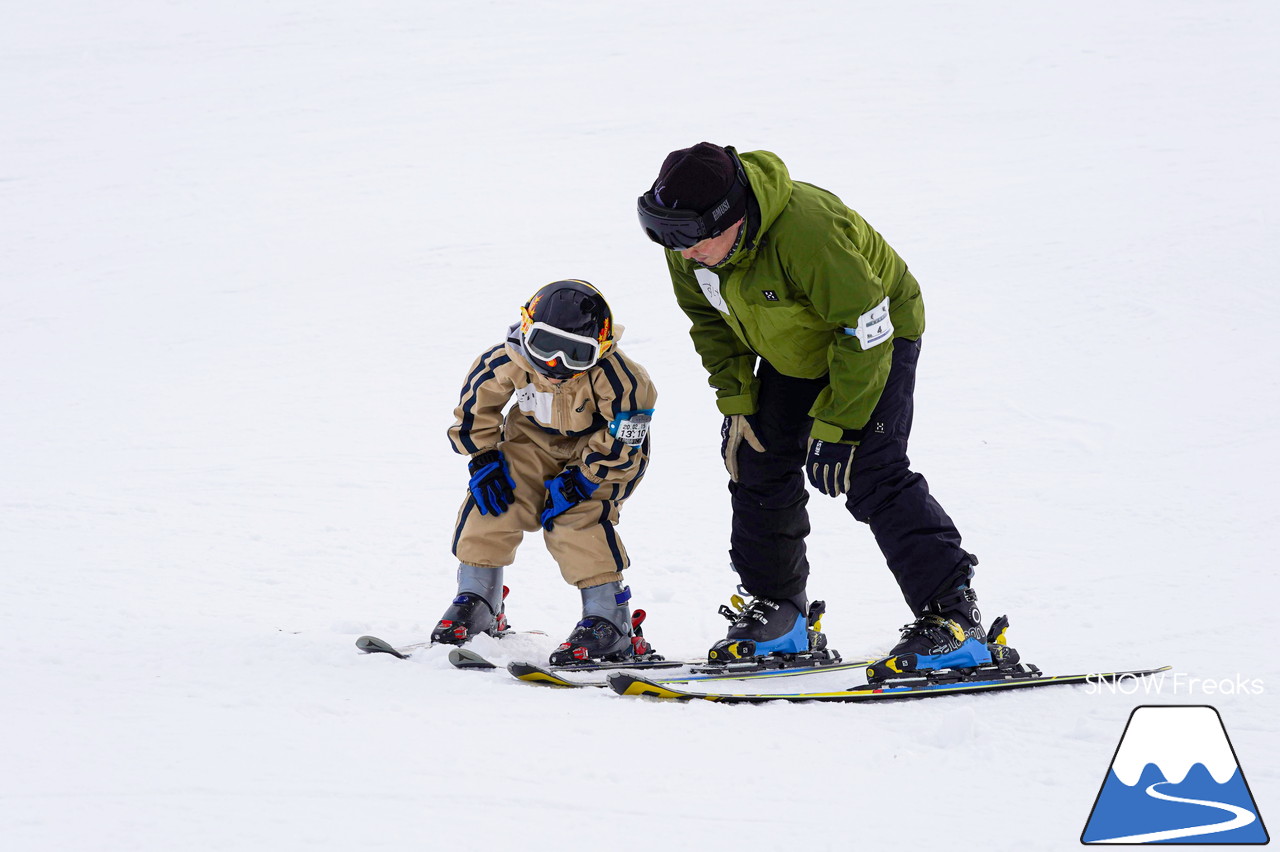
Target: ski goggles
x,y
548,343
682,229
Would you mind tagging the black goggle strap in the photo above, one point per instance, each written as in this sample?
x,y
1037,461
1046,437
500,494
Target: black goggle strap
x,y
662,222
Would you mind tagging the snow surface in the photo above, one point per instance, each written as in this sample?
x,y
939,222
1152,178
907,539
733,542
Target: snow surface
x,y
250,249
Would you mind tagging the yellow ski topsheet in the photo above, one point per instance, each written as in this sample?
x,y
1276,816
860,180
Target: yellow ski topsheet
x,y
628,684
531,673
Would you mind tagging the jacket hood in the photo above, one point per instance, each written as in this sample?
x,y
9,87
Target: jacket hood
x,y
770,182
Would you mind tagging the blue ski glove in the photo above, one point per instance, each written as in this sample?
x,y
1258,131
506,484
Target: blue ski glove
x,y
830,466
491,484
565,491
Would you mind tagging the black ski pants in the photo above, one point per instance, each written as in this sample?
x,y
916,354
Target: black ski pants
x,y
919,541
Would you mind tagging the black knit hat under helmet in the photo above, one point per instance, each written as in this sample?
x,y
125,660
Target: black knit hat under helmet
x,y
695,178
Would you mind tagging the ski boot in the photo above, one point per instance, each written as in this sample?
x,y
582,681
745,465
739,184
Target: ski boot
x,y
608,631
478,608
789,629
1002,656
947,641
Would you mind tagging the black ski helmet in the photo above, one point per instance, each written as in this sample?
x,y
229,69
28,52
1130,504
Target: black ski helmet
x,y
576,309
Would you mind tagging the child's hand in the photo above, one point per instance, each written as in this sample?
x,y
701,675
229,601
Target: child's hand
x,y
568,489
491,484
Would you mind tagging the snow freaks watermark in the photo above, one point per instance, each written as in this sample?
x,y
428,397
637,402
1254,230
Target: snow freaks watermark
x,y
1174,683
1175,778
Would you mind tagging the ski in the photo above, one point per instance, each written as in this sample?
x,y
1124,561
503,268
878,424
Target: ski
x,y
465,658
624,683
696,671
557,675
374,645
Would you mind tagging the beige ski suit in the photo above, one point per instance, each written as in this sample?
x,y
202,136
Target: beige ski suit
x,y
598,422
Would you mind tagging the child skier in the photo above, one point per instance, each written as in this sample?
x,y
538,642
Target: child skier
x,y
565,457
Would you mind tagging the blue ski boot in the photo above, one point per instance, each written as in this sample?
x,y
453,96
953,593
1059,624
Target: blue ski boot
x,y
768,626
947,638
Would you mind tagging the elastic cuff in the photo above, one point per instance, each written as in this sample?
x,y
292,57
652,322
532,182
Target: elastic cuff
x,y
741,404
833,434
600,580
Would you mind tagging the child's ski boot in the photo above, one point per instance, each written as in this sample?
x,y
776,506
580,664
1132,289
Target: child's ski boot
x,y
787,630
608,632
478,608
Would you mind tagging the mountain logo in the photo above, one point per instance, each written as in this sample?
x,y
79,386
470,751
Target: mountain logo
x,y
1174,779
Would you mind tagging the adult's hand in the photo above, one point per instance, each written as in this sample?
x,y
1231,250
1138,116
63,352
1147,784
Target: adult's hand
x,y
830,466
736,429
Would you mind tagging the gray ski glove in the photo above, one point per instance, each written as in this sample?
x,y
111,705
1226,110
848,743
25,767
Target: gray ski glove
x,y
830,466
736,429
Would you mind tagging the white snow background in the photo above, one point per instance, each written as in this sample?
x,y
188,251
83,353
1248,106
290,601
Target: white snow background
x,y
250,249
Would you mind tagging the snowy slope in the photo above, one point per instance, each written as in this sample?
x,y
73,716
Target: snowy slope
x,y
249,251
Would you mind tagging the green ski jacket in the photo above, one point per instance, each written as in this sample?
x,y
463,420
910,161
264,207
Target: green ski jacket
x,y
812,289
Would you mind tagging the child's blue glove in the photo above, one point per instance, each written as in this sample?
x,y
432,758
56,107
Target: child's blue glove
x,y
491,484
568,489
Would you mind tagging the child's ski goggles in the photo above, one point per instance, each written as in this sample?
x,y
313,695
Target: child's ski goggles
x,y
548,343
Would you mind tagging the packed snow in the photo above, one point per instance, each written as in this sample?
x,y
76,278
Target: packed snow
x,y
250,250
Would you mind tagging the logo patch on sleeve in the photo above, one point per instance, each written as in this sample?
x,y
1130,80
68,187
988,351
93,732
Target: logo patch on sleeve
x,y
771,295
631,427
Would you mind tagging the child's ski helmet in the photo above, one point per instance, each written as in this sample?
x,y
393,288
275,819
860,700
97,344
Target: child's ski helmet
x,y
565,328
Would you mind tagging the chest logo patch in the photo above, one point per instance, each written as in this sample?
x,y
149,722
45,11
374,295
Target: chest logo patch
x,y
710,284
537,403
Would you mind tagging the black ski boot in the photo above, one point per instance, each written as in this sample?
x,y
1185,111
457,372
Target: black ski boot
x,y
767,626
608,632
948,635
478,608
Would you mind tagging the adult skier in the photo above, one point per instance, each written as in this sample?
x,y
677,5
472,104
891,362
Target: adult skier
x,y
809,325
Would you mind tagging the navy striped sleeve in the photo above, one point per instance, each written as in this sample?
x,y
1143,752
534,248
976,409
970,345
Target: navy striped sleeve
x,y
488,364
